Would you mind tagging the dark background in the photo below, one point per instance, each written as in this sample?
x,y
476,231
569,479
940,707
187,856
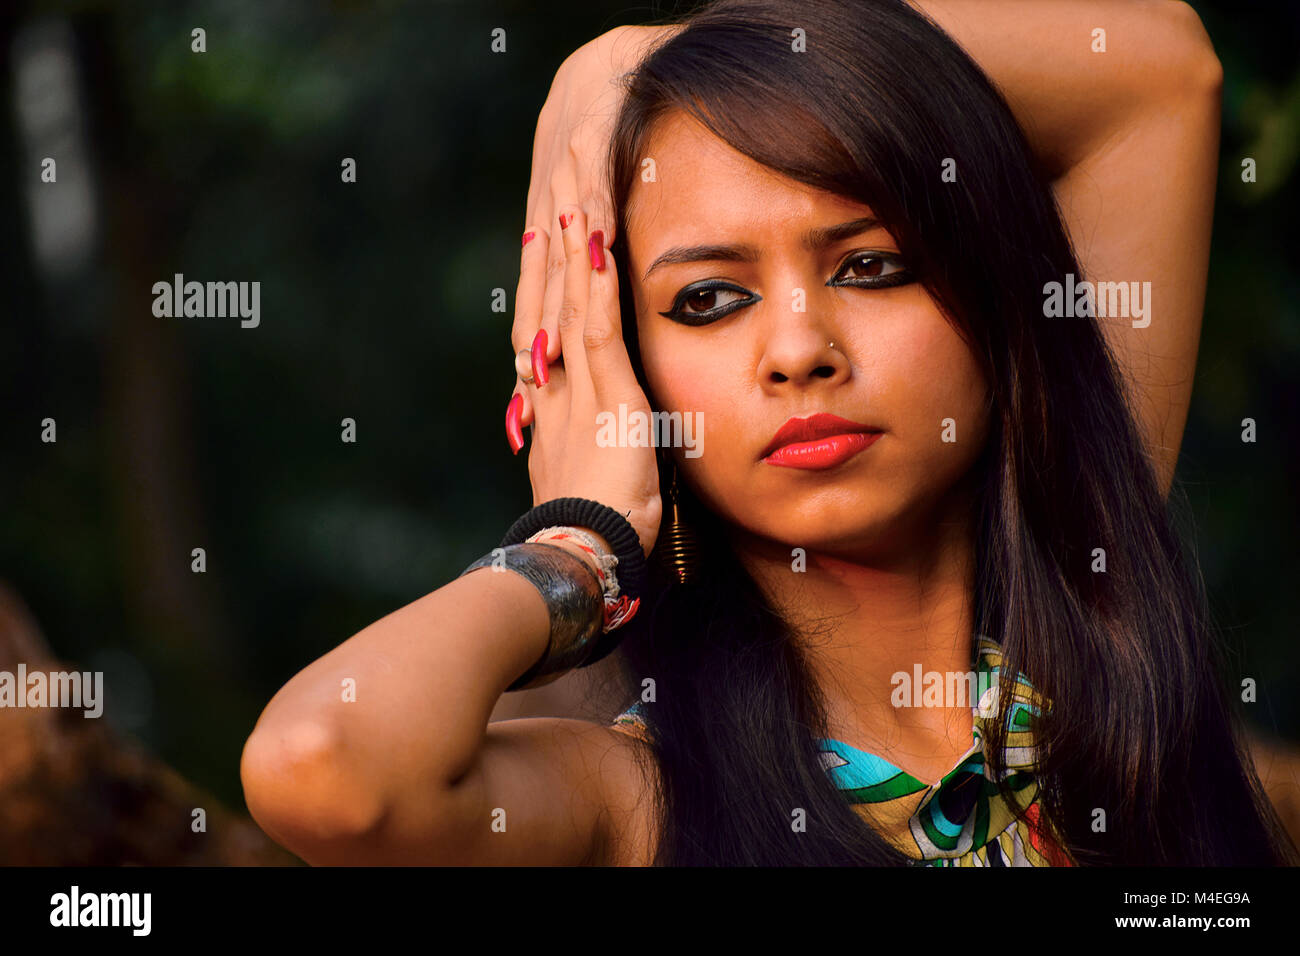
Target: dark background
x,y
376,305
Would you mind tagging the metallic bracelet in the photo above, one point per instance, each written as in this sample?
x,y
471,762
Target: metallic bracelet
x,y
574,600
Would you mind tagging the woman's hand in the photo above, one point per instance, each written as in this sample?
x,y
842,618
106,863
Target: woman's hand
x,y
595,377
569,169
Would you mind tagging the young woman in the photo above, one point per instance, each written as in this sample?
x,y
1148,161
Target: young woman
x,y
829,241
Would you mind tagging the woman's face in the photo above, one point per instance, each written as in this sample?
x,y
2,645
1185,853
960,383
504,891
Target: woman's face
x,y
896,366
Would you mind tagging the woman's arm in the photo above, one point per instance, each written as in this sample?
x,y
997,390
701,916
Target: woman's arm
x,y
596,693
409,772
381,751
1130,136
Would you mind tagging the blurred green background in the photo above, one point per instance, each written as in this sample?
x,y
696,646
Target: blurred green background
x,y
376,305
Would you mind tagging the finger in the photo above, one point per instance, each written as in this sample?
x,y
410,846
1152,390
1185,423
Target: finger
x,y
598,204
526,412
531,289
554,293
600,217
533,400
563,191
539,205
573,307
608,364
513,422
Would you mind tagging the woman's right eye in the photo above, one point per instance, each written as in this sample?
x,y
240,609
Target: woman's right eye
x,y
701,304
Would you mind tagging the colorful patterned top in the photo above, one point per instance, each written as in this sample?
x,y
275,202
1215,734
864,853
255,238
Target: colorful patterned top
x,y
963,820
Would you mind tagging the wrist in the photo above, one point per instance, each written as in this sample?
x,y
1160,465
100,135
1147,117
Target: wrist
x,y
615,557
574,605
575,547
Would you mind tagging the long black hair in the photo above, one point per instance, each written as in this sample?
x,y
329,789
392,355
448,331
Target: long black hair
x,y
879,105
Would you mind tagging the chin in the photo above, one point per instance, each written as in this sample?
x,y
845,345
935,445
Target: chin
x,y
839,527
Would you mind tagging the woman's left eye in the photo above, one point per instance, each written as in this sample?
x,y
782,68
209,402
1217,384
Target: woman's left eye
x,y
874,270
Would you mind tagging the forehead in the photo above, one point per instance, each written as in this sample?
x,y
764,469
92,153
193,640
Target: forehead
x,y
703,190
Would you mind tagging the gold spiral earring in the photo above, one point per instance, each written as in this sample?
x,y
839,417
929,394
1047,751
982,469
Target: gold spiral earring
x,y
681,549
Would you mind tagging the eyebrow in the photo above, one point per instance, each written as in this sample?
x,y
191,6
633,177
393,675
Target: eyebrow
x,y
812,239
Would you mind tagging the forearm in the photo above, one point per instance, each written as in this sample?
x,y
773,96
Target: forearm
x,y
399,709
1067,98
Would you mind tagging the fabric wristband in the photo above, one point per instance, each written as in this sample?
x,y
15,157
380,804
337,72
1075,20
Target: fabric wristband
x,y
610,525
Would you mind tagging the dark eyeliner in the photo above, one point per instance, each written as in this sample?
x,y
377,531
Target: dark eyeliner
x,y
704,318
902,277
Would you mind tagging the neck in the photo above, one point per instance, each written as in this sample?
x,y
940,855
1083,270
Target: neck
x,y
864,616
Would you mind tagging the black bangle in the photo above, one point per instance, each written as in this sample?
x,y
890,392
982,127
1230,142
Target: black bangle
x,y
574,604
610,525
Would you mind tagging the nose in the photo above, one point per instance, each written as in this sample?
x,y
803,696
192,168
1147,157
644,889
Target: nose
x,y
798,354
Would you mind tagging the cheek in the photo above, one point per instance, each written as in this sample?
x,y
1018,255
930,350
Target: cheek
x,y
943,373
683,370
934,389
683,374
686,376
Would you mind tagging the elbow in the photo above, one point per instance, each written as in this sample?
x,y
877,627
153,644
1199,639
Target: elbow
x,y
1197,68
304,795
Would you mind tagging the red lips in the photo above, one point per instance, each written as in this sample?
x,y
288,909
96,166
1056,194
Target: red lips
x,y
812,428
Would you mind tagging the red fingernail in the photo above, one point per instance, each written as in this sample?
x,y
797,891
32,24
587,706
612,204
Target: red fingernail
x,y
541,369
565,219
514,430
596,250
527,236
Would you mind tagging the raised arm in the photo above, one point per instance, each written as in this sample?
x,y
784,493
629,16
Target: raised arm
x,y
1126,121
1131,137
405,770
381,751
